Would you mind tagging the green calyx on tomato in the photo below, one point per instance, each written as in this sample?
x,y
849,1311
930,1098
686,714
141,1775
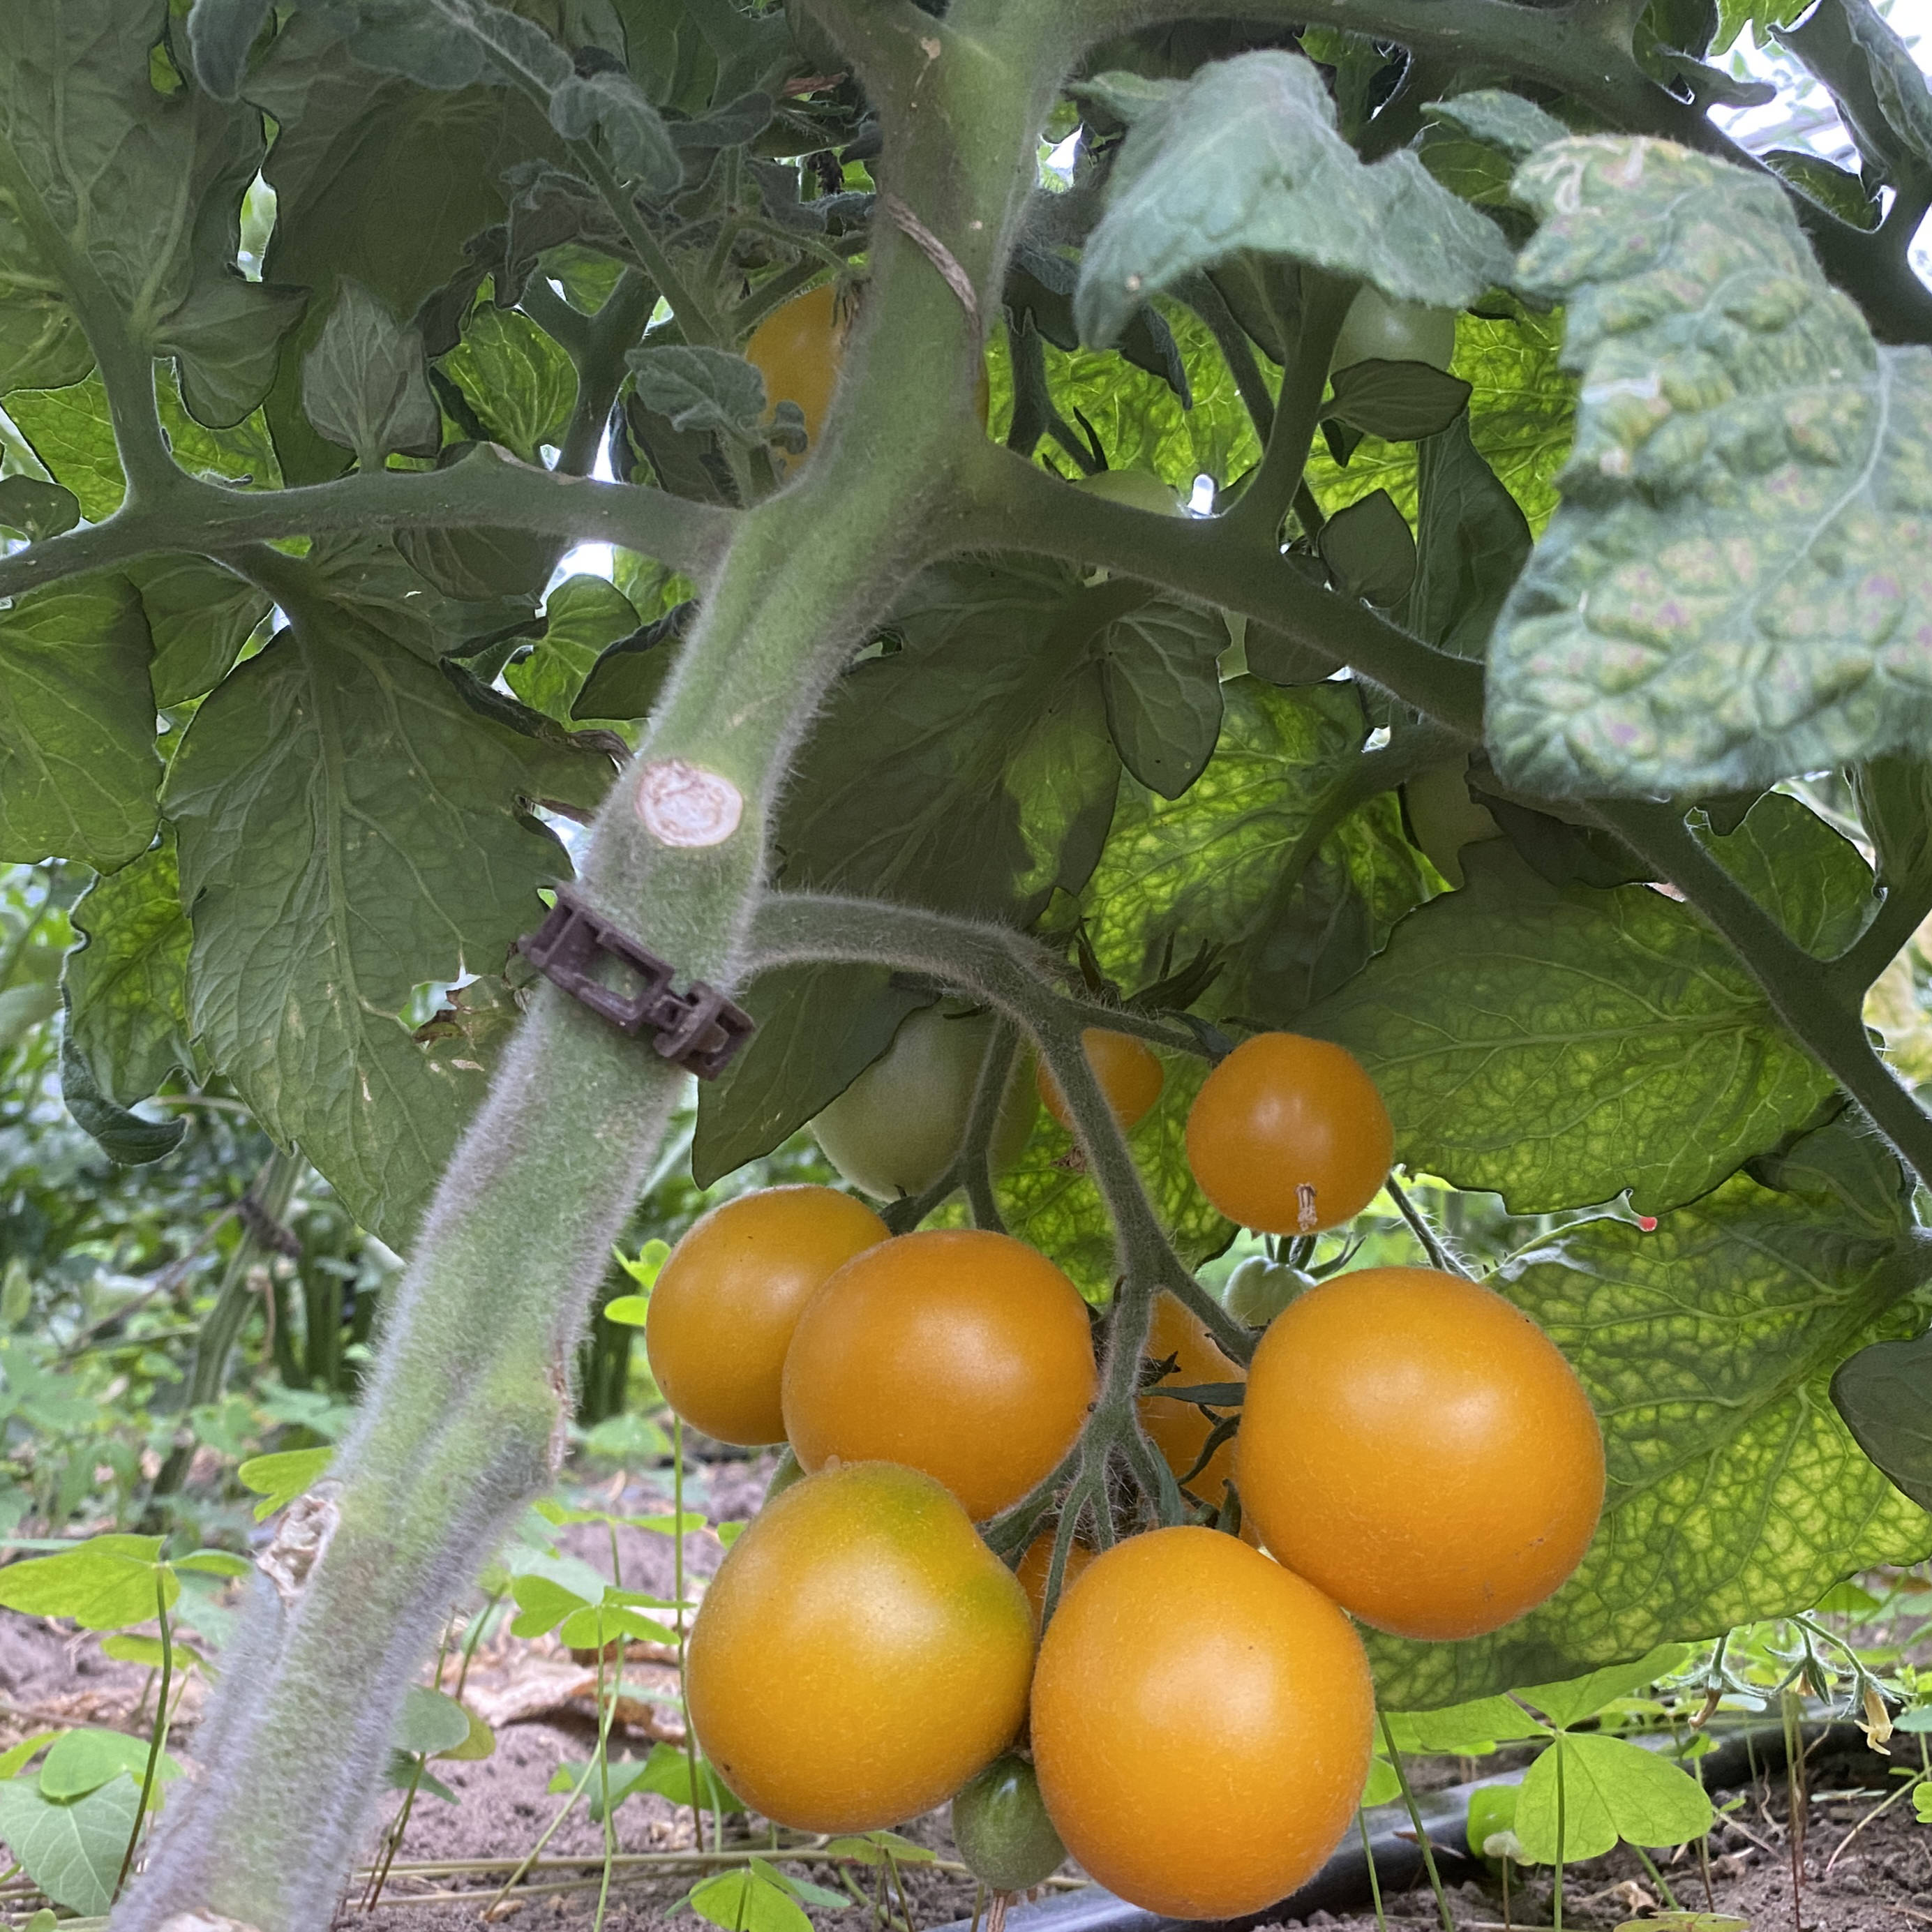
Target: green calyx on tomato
x,y
897,1129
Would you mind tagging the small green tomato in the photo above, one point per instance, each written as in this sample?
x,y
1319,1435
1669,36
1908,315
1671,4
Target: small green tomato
x,y
1002,1829
1377,329
897,1128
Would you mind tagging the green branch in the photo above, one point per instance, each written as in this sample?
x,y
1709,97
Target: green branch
x,y
1256,519
488,491
1010,972
1899,915
595,345
1012,504
1800,987
126,367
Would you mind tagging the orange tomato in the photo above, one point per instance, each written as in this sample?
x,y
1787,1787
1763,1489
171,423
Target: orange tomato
x,y
1178,1430
860,1655
960,1352
1200,1724
730,1293
1129,1073
1418,1448
798,348
1288,1136
1033,1568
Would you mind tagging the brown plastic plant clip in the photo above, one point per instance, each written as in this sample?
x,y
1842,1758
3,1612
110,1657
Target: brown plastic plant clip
x,y
699,1030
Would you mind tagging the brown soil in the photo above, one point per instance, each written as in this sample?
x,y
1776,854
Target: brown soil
x,y
1880,1881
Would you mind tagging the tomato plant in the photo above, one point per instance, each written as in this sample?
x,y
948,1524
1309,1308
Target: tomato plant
x,y
398,531
897,1128
963,1353
1200,1724
1289,1134
726,1300
1415,1446
830,1722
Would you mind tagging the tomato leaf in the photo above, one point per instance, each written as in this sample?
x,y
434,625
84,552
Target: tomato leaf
x,y
1245,154
365,384
79,769
126,986
1533,1039
336,774
1732,591
1160,677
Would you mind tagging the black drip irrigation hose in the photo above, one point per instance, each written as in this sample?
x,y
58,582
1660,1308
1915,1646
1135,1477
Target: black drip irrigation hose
x,y
1343,1884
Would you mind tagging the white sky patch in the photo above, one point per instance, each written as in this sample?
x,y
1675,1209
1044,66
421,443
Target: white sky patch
x,y
1804,115
590,560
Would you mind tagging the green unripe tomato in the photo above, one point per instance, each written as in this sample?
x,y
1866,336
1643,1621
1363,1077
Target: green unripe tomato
x,y
1135,489
898,1127
1259,1289
1002,1829
1444,817
1378,330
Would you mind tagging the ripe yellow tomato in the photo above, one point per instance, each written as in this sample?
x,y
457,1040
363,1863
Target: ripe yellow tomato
x,y
1200,1724
1178,1430
1129,1073
1288,1136
798,348
898,1127
730,1293
860,1655
1418,1448
1379,329
1032,1568
963,1353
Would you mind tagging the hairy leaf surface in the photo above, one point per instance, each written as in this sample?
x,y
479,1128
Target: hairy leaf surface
x,y
1245,155
348,831
1561,1044
1735,588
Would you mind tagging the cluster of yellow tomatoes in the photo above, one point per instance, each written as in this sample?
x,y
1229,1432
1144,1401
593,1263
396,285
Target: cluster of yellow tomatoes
x,y
1413,1452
